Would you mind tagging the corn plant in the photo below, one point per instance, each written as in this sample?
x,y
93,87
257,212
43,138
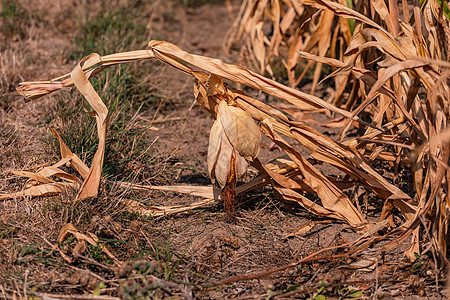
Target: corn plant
x,y
392,64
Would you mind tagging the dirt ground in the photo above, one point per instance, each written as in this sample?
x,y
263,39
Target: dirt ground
x,y
159,139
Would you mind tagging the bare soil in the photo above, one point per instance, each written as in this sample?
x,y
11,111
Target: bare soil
x,y
197,249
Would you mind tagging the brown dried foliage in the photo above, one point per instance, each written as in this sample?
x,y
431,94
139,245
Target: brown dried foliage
x,y
391,75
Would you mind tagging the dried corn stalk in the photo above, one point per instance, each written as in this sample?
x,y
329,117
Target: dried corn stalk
x,y
393,58
405,127
266,30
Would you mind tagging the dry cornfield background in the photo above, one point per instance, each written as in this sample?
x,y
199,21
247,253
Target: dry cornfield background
x,y
327,149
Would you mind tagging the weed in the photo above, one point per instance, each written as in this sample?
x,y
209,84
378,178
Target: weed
x,y
99,287
419,260
98,255
351,292
321,287
270,293
165,260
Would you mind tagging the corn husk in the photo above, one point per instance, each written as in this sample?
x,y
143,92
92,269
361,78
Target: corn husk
x,y
234,140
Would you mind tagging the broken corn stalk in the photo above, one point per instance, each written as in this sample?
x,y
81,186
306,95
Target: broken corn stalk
x,y
210,92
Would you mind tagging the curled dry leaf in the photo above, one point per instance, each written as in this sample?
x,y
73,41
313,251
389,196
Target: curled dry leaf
x,y
335,202
82,238
91,183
